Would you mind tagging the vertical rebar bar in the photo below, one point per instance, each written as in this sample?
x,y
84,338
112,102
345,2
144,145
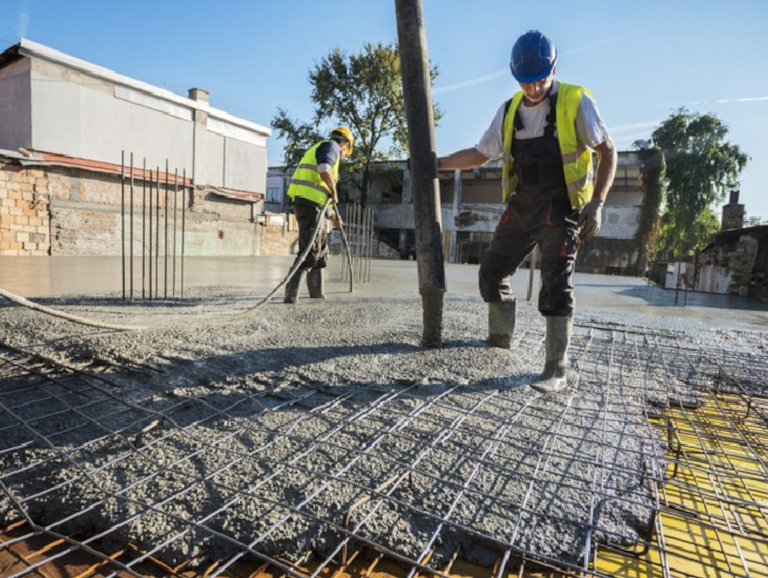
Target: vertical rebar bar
x,y
130,249
183,227
122,215
144,228
149,245
344,261
157,232
371,244
165,259
175,226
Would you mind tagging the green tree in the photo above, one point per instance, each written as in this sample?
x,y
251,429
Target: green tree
x,y
362,91
701,166
298,136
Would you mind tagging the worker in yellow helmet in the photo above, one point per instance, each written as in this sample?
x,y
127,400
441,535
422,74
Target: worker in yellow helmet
x,y
313,182
545,134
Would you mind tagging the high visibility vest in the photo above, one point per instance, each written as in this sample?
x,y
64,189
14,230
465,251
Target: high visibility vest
x,y
577,157
306,182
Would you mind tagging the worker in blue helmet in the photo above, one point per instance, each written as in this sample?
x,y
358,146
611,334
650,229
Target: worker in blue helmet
x,y
546,135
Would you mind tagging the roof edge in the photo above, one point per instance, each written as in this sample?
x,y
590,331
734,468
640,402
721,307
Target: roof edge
x,y
30,49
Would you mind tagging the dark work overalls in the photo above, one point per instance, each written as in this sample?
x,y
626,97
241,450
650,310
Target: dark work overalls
x,y
538,213
307,216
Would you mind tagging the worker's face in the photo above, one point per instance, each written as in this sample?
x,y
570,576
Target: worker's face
x,y
535,92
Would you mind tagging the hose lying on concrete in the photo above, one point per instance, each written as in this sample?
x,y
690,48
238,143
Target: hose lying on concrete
x,y
300,261
19,300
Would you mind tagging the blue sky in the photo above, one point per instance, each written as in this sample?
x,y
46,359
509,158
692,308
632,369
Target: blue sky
x,y
641,59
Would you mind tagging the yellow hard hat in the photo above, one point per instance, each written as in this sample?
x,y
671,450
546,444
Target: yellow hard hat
x,y
346,134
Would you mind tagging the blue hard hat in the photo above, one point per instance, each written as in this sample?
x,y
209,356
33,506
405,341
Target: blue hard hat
x,y
533,57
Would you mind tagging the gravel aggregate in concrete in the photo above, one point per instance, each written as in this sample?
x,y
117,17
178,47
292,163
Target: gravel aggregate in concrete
x,y
280,431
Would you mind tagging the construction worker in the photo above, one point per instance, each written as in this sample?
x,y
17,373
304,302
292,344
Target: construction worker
x,y
313,182
545,134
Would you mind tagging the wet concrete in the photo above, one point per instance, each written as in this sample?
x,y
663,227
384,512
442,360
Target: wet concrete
x,y
33,277
274,426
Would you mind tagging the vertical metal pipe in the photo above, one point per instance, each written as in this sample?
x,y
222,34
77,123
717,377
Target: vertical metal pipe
x,y
175,225
165,259
130,250
143,228
149,245
183,229
122,216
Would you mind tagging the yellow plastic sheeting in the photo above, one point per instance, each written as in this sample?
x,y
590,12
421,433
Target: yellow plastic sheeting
x,y
714,500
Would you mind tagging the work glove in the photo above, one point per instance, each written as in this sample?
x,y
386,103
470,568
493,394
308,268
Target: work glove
x,y
590,219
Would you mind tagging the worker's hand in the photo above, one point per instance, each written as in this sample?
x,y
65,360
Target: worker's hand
x,y
338,221
590,219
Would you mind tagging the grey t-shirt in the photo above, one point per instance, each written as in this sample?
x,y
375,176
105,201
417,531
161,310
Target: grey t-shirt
x,y
590,128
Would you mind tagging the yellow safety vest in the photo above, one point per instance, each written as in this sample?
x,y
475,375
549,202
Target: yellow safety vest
x,y
306,182
577,157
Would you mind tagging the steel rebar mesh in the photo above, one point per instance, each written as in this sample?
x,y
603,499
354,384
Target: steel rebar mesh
x,y
305,478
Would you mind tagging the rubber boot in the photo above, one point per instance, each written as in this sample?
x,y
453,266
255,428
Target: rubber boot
x,y
292,288
315,283
553,378
501,323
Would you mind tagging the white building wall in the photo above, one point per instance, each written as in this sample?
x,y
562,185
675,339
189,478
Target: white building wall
x,y
82,117
78,109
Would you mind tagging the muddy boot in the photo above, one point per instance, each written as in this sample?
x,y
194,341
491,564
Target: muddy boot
x,y
501,323
553,378
292,288
315,283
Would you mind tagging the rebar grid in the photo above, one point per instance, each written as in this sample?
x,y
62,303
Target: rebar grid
x,y
329,473
712,518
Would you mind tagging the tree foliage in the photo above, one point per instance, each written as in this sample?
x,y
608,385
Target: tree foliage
x,y
701,167
362,91
298,136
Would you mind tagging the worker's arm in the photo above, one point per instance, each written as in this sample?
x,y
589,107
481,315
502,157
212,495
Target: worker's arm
x,y
607,159
461,160
590,218
327,178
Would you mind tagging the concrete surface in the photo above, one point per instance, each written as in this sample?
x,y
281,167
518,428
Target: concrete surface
x,y
33,277
276,433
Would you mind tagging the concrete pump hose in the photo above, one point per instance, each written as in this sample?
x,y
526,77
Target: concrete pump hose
x,y
300,261
19,300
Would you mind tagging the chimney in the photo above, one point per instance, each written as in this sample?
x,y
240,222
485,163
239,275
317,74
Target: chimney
x,y
733,213
199,95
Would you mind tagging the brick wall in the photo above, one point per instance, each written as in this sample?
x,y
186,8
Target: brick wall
x,y
24,221
281,238
75,211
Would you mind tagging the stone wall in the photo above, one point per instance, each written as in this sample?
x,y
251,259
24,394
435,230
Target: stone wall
x,y
24,222
58,210
280,236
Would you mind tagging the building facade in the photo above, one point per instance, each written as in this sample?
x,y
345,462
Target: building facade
x,y
470,207
73,133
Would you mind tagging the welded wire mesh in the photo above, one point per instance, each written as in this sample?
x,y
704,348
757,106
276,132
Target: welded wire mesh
x,y
654,464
